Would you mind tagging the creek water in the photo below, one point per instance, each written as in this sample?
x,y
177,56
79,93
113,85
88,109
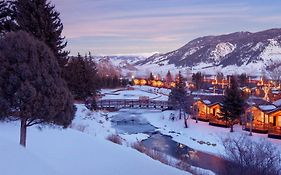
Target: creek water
x,y
132,122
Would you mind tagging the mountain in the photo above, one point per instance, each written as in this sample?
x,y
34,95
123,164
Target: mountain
x,y
231,53
116,60
124,65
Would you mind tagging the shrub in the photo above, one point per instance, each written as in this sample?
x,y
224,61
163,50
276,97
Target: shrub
x,y
154,154
115,139
139,146
251,157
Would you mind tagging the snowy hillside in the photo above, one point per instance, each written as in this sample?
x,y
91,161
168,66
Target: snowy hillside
x,y
53,151
123,64
220,51
116,60
240,52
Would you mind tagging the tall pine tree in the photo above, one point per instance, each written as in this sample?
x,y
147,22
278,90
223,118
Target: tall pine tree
x,y
178,95
39,18
243,79
81,76
31,88
233,103
7,23
197,79
151,77
169,79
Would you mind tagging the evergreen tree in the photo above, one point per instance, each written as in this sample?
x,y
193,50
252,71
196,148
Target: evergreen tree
x,y
243,78
124,82
39,18
31,89
197,79
115,82
178,95
81,76
169,78
102,82
151,77
7,23
233,103
108,83
219,77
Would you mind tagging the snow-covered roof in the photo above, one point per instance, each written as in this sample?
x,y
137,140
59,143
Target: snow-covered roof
x,y
267,107
196,98
207,102
277,103
275,92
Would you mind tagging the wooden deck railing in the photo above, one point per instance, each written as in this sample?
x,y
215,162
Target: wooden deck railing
x,y
216,120
274,130
258,126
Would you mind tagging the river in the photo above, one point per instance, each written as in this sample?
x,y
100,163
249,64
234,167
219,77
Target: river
x,y
131,122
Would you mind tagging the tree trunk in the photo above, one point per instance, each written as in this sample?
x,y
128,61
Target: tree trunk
x,y
185,121
180,113
23,132
231,127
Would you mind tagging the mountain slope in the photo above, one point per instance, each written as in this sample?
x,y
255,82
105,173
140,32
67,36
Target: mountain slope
x,y
240,49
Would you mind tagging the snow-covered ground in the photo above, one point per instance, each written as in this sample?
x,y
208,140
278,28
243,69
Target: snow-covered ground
x,y
199,136
54,151
199,132
136,93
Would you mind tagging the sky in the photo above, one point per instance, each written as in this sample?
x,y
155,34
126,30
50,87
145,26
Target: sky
x,y
130,27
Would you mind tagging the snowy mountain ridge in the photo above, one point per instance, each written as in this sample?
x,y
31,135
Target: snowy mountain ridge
x,y
231,53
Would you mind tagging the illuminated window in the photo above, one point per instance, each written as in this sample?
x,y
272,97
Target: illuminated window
x,y
271,119
265,119
279,120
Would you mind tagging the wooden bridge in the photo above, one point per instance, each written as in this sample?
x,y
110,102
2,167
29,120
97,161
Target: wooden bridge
x,y
122,103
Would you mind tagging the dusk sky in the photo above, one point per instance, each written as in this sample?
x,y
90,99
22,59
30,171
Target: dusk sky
x,y
109,27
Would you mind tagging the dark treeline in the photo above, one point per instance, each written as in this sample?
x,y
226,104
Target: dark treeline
x,y
81,77
85,80
112,82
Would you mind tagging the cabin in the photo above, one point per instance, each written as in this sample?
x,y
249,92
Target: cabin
x,y
266,118
256,109
260,118
207,107
275,128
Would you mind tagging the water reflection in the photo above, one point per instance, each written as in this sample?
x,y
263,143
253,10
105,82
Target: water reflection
x,y
131,123
166,145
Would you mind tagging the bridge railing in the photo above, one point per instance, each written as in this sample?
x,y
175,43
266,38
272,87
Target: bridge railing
x,y
127,103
